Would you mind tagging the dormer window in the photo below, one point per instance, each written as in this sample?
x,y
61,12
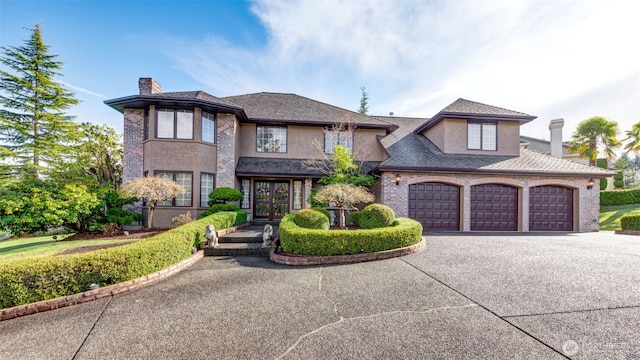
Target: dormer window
x,y
482,136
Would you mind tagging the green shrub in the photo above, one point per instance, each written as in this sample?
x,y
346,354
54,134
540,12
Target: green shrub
x,y
30,280
618,176
216,208
311,219
619,197
630,222
298,240
376,216
223,194
241,217
604,182
602,163
354,217
324,211
618,184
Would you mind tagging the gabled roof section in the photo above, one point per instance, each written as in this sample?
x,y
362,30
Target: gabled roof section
x,y
467,109
177,99
405,125
542,146
415,152
279,108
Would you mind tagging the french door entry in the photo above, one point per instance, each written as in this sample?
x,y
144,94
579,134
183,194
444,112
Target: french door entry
x,y
272,199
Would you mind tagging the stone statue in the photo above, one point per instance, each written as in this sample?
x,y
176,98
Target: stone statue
x,y
210,234
267,235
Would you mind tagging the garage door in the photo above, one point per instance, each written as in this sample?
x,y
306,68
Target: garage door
x,y
550,208
435,205
494,208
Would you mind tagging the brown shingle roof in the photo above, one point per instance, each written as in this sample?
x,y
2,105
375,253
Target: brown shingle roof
x,y
292,108
406,125
463,108
415,152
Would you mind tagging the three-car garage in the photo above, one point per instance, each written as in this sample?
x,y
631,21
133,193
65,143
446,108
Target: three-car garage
x,y
493,207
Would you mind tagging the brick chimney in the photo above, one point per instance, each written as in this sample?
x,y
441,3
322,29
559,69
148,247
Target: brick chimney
x,y
148,86
555,126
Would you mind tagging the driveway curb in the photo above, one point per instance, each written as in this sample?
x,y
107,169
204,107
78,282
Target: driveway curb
x,y
91,295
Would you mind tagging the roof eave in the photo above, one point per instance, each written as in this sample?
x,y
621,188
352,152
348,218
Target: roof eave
x,y
522,119
490,172
142,101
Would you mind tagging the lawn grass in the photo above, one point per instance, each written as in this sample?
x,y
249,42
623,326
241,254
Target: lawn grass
x,y
41,246
610,215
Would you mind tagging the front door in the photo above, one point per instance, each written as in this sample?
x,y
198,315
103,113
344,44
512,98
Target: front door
x,y
272,199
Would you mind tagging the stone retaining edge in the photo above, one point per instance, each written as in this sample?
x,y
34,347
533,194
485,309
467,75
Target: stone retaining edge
x,y
343,259
91,295
628,232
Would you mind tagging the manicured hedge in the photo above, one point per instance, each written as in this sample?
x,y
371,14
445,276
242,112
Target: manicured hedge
x,y
311,219
298,240
619,197
31,280
630,222
376,216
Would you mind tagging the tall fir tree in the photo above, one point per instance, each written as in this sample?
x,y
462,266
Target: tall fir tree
x,y
364,102
34,130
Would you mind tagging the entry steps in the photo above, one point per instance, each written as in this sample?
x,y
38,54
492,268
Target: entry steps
x,y
243,242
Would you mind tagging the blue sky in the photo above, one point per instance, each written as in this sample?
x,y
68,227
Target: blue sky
x,y
552,59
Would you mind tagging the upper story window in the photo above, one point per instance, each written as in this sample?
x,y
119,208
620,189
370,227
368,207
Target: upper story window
x,y
482,136
174,124
333,138
208,127
271,139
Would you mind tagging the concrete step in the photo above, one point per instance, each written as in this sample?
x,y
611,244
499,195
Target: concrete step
x,y
237,249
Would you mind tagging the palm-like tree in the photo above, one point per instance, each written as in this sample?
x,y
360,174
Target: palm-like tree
x,y
591,133
633,138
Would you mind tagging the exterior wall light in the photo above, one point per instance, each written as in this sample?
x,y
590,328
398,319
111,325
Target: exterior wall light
x,y
397,178
590,184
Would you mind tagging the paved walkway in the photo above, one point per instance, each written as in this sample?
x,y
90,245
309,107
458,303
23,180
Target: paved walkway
x,y
464,296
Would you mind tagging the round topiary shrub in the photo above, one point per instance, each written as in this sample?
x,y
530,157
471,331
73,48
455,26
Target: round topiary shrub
x,y
376,216
354,217
324,211
311,219
223,194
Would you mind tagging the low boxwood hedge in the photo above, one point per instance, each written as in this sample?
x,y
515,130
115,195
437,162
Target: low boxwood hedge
x,y
630,222
30,280
619,197
300,241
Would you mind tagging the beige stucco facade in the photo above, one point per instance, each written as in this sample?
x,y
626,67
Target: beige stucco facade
x,y
450,136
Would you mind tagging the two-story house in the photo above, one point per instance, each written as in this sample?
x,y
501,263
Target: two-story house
x,y
461,170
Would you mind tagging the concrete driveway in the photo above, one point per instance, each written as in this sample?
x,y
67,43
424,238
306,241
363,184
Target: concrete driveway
x,y
542,296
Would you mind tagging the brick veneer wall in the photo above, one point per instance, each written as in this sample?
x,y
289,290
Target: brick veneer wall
x,y
588,200
133,149
227,128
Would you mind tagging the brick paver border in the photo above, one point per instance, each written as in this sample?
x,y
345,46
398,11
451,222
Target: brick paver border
x,y
91,295
343,259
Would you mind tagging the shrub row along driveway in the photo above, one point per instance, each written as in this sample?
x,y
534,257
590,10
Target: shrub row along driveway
x,y
465,296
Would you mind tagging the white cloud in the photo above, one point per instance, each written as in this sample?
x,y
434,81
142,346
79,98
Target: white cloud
x,y
416,57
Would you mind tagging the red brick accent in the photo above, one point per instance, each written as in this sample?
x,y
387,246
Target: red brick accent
x,y
91,295
343,259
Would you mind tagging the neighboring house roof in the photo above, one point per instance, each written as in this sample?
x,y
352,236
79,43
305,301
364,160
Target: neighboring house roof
x,y
542,146
406,125
278,167
296,109
417,153
463,108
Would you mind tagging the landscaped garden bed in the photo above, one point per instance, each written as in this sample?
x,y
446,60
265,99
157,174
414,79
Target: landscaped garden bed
x,y
308,234
36,279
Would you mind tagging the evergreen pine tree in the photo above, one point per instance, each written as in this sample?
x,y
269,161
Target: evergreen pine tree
x,y
34,130
364,102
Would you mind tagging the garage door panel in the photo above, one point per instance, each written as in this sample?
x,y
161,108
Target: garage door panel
x,y
550,208
440,205
494,208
